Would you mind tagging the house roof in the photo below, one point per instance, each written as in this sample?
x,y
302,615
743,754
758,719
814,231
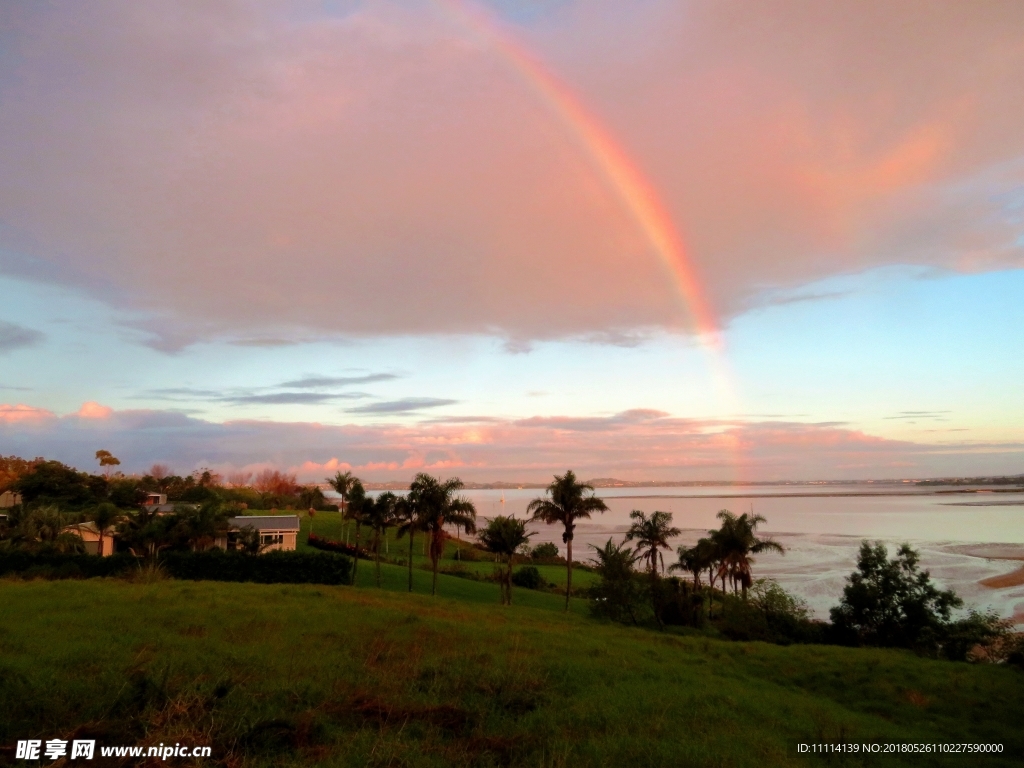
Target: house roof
x,y
88,527
266,522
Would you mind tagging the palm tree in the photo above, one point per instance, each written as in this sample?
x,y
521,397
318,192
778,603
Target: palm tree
x,y
504,536
380,514
105,516
737,541
617,591
356,511
436,506
695,560
342,484
651,535
405,510
568,502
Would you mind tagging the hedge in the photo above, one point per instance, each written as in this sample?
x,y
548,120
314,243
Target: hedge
x,y
212,565
332,545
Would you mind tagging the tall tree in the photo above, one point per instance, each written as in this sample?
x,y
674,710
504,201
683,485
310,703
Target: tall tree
x,y
105,516
437,505
356,510
736,541
504,536
107,459
651,535
568,500
406,511
618,595
380,514
342,484
892,602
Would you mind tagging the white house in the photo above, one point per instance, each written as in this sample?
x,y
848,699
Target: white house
x,y
277,532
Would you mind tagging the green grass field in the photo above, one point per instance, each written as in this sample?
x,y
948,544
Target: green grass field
x,y
283,675
330,526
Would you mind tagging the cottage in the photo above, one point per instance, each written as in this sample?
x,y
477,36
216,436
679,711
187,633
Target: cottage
x,y
9,499
277,532
157,502
90,536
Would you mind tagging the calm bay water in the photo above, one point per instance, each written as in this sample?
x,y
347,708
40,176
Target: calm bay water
x,y
821,532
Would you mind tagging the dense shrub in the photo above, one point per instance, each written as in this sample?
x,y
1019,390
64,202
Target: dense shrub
x,y
62,566
212,565
770,614
270,568
676,601
544,551
529,578
333,545
893,603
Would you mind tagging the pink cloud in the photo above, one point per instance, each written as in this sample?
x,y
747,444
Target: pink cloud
x,y
93,410
662,447
23,414
789,141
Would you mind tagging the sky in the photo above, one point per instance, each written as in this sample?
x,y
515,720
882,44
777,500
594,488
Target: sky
x,y
661,240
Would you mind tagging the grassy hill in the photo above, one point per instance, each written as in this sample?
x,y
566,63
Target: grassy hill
x,y
311,675
330,525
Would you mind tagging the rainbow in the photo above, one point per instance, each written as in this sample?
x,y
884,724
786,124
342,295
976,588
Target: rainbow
x,y
621,174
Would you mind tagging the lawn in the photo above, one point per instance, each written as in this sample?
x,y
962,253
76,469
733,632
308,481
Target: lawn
x,y
330,526
310,675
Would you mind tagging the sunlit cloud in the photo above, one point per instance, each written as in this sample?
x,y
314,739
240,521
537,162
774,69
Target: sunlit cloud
x,y
13,414
632,445
93,410
292,162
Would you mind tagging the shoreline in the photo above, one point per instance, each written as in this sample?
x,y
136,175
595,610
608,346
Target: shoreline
x,y
819,495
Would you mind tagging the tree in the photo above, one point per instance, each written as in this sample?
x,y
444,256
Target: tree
x,y
147,533
544,551
436,506
568,501
342,484
249,541
358,502
311,497
695,560
107,459
651,535
41,529
50,482
105,515
406,511
735,542
618,595
380,514
503,536
201,526
274,486
891,602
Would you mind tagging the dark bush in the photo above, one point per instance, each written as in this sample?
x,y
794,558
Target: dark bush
x,y
271,568
528,577
58,566
544,551
332,545
893,603
212,565
678,603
